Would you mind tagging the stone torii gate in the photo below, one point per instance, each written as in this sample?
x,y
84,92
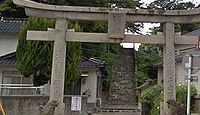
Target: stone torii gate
x,y
116,26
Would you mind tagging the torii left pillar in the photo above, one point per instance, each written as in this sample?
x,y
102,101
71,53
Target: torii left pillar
x,y
58,65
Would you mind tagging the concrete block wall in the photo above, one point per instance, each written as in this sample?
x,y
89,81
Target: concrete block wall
x,y
29,105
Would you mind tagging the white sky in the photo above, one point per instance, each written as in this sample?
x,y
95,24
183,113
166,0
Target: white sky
x,y
145,30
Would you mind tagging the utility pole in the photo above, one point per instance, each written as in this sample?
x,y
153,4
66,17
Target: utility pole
x,y
189,83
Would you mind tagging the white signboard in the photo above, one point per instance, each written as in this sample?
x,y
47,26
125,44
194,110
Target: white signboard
x,y
195,61
76,104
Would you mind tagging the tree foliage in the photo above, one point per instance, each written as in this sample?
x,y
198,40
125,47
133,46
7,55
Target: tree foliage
x,y
147,56
171,5
175,5
9,9
35,57
154,96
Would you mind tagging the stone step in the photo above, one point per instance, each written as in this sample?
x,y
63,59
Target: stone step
x,y
120,109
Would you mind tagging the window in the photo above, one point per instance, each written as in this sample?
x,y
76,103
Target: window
x,y
15,84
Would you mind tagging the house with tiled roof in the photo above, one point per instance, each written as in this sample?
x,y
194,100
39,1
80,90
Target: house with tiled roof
x,y
13,83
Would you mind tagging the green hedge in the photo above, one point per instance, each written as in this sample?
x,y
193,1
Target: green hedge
x,y
154,96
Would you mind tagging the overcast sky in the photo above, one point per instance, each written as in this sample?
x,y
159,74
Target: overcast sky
x,y
145,30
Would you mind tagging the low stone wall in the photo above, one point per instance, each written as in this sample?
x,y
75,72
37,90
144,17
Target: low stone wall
x,y
29,105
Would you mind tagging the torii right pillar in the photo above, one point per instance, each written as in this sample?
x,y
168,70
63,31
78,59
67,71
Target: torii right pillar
x,y
169,66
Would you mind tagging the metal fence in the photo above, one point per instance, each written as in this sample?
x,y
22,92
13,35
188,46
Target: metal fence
x,y
20,89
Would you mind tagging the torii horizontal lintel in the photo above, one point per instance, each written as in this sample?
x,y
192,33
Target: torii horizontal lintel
x,y
103,38
95,37
101,13
41,35
61,8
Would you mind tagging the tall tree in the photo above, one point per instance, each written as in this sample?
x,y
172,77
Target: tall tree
x,y
34,57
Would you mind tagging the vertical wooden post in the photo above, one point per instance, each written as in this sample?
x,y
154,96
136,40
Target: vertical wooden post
x,y
58,65
2,110
169,66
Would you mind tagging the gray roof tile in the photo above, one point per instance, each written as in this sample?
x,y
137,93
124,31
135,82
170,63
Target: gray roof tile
x,y
10,59
11,25
194,33
91,63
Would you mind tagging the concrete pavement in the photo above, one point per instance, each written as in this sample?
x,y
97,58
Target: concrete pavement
x,y
116,113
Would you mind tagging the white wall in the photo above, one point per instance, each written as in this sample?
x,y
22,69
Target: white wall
x,y
180,76
8,43
90,83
